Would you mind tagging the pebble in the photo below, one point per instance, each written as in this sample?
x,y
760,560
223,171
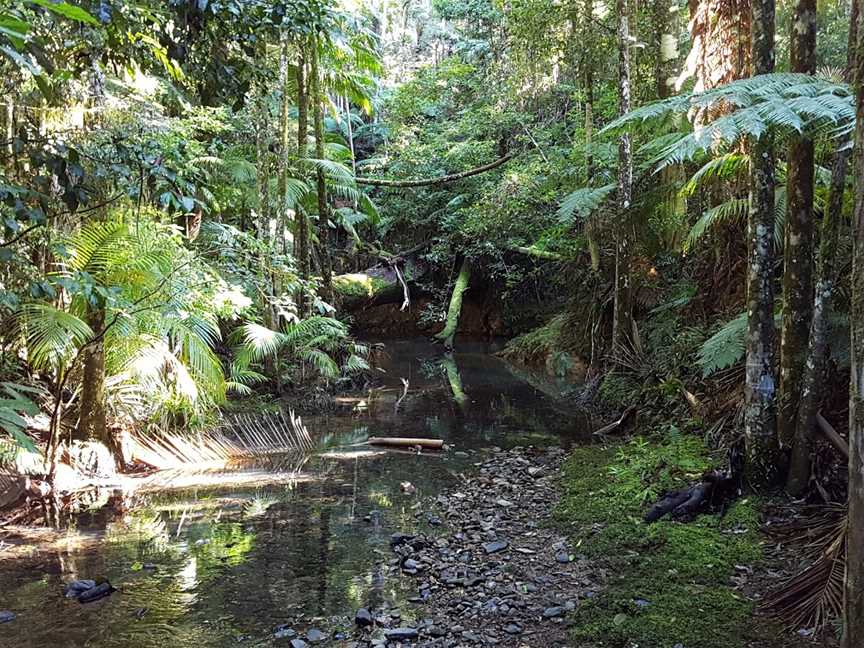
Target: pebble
x,y
363,618
401,634
284,632
298,643
6,616
476,592
314,635
495,547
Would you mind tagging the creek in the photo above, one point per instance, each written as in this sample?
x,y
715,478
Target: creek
x,y
228,560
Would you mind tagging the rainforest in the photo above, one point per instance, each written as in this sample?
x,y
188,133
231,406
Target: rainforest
x,y
445,323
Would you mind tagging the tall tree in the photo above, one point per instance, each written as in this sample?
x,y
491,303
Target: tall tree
x,y
622,322
798,248
301,223
817,351
853,635
760,410
666,30
321,181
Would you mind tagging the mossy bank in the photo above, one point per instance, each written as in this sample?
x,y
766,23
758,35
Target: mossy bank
x,y
669,583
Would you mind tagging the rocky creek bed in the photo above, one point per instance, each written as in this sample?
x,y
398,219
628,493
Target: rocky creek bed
x,y
491,570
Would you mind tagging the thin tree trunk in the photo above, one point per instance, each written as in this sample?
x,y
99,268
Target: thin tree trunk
x,y
350,135
591,224
798,249
623,314
817,353
92,424
301,230
284,136
448,333
665,68
853,635
760,413
321,183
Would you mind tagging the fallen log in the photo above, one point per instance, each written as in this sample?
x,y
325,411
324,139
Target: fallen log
x,y
614,425
406,442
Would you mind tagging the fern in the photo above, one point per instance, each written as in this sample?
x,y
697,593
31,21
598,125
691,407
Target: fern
x,y
726,347
583,201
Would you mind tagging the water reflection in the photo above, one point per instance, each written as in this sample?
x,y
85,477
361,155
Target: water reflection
x,y
228,556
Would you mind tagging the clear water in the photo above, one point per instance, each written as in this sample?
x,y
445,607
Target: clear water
x,y
226,564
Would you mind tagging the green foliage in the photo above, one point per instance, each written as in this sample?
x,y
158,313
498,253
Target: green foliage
x,y
783,104
15,402
321,343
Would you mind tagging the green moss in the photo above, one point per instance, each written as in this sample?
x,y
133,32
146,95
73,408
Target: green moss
x,y
617,390
671,580
357,285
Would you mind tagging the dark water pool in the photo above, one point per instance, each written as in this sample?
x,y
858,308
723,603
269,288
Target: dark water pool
x,y
226,564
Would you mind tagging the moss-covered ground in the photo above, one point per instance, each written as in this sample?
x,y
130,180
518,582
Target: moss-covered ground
x,y
669,582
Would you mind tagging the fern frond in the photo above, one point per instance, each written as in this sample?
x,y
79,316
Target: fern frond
x,y
583,201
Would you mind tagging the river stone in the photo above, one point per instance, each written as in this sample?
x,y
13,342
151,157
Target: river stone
x,y
495,547
284,632
410,566
6,616
96,593
513,629
401,634
552,612
78,587
298,643
562,557
400,539
315,636
363,618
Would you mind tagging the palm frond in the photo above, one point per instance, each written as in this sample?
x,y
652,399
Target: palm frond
x,y
52,335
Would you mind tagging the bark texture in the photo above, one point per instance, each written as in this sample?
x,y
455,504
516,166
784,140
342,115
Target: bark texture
x,y
666,63
720,35
826,278
760,410
853,635
623,313
798,249
92,424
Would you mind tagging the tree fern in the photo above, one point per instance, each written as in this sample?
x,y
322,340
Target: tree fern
x,y
583,201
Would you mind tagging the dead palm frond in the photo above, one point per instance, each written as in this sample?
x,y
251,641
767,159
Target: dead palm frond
x,y
814,596
240,437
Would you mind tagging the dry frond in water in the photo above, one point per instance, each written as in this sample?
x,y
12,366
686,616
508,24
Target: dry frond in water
x,y
814,596
242,437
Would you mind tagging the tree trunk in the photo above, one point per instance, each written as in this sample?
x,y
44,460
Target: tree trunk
x,y
301,223
92,424
798,249
817,353
283,213
760,409
321,183
665,66
853,635
455,309
623,314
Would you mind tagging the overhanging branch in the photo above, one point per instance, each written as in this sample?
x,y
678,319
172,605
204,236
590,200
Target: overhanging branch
x,y
375,182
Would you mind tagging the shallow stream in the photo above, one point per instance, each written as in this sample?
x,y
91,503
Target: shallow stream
x,y
297,541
